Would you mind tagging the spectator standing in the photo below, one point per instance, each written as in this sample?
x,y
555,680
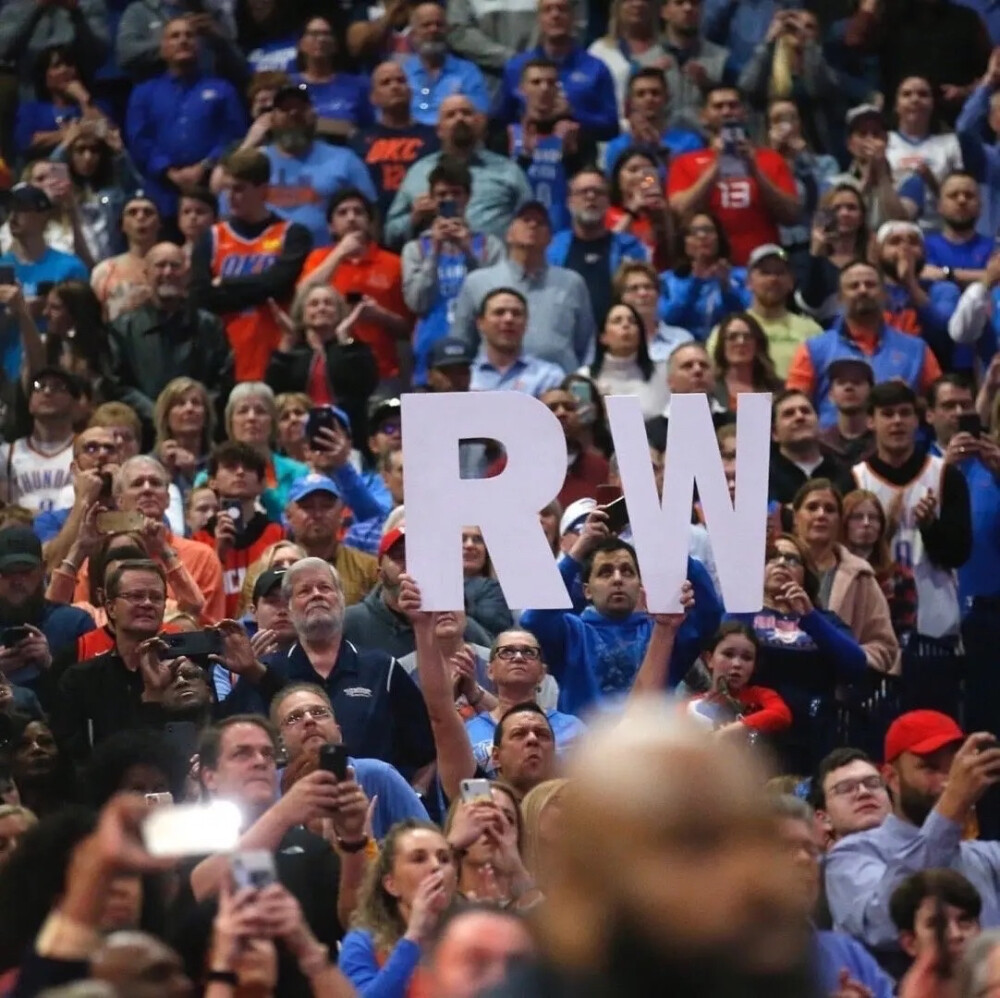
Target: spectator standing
x,y
851,438
367,276
695,63
241,264
36,468
166,338
396,140
647,111
561,320
502,363
753,195
638,205
180,123
636,283
197,212
586,466
863,334
849,794
957,252
121,282
499,186
742,358
771,282
432,72
981,158
28,30
929,500
305,174
436,263
798,455
339,99
587,92
703,287
631,45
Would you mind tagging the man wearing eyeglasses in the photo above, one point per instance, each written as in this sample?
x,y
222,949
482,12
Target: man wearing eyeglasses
x,y
35,469
303,715
849,794
95,454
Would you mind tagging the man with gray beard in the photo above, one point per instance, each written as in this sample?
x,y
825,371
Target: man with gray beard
x,y
433,73
589,247
380,711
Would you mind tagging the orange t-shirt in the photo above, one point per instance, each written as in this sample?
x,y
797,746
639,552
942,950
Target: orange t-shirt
x,y
378,274
736,201
253,333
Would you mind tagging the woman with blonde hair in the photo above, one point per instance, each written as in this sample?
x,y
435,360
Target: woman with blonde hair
x,y
319,356
406,891
184,420
742,356
540,814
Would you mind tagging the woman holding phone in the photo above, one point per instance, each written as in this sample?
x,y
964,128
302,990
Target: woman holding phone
x,y
406,891
639,204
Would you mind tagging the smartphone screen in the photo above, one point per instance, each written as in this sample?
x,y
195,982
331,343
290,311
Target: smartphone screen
x,y
969,422
7,275
447,208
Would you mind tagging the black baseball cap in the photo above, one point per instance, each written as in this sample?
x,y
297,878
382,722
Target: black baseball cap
x,y
19,548
380,409
848,366
299,90
450,352
71,382
27,197
267,582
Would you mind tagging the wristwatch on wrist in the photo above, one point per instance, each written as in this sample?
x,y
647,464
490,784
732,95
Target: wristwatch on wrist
x,y
949,273
352,847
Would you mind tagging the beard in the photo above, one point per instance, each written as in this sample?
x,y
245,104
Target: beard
x,y
463,135
28,612
294,141
915,805
638,965
433,51
320,626
588,216
962,224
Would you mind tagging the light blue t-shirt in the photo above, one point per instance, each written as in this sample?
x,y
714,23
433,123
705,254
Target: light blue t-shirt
x,y
480,730
301,187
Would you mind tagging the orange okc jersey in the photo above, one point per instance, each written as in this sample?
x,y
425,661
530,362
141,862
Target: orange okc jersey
x,y
253,333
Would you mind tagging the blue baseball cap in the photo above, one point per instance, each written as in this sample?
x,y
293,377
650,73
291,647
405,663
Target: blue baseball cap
x,y
313,483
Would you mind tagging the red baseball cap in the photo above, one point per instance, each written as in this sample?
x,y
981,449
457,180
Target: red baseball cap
x,y
389,539
920,732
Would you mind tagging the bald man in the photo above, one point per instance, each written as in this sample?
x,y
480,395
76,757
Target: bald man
x,y
499,186
669,870
396,141
166,338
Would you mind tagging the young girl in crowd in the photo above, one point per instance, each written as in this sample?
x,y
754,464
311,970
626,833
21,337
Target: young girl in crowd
x,y
733,705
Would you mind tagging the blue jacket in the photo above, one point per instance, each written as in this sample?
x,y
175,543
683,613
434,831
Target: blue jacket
x,y
596,659
898,355
586,82
837,951
359,963
698,304
177,122
981,159
624,246
456,76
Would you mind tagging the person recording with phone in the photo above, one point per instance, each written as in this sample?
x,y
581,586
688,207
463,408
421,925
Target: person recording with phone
x,y
437,261
241,529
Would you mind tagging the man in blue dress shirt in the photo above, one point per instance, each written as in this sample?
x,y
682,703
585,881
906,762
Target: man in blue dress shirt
x,y
179,124
433,73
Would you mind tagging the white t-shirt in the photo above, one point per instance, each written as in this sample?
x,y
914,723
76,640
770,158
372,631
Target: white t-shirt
x,y
941,153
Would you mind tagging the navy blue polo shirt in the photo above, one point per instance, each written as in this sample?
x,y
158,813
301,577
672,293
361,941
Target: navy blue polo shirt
x,y
379,709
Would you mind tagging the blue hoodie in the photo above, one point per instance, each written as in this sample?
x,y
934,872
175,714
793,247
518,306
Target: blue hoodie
x,y
595,658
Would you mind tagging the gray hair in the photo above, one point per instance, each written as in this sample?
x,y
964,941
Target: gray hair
x,y
973,971
134,462
305,565
246,390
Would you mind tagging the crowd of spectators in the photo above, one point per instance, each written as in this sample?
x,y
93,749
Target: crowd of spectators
x,y
234,233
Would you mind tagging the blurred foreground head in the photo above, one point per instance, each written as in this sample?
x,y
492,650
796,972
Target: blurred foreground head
x,y
671,869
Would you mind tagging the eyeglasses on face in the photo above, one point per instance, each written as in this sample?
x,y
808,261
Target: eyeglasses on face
x,y
786,558
136,597
318,712
847,788
508,652
51,387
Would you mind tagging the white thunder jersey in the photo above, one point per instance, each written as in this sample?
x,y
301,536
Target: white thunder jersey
x,y
938,613
33,478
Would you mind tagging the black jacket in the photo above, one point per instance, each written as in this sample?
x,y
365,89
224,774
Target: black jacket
x,y
149,348
351,373
786,478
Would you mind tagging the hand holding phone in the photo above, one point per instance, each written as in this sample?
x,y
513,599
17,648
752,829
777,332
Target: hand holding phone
x,y
333,759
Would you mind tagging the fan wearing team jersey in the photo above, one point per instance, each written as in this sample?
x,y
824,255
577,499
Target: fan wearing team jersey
x,y
241,530
751,191
929,500
36,468
548,145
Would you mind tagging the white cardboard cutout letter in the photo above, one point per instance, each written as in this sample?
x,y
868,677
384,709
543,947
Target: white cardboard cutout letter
x,y
660,535
439,503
